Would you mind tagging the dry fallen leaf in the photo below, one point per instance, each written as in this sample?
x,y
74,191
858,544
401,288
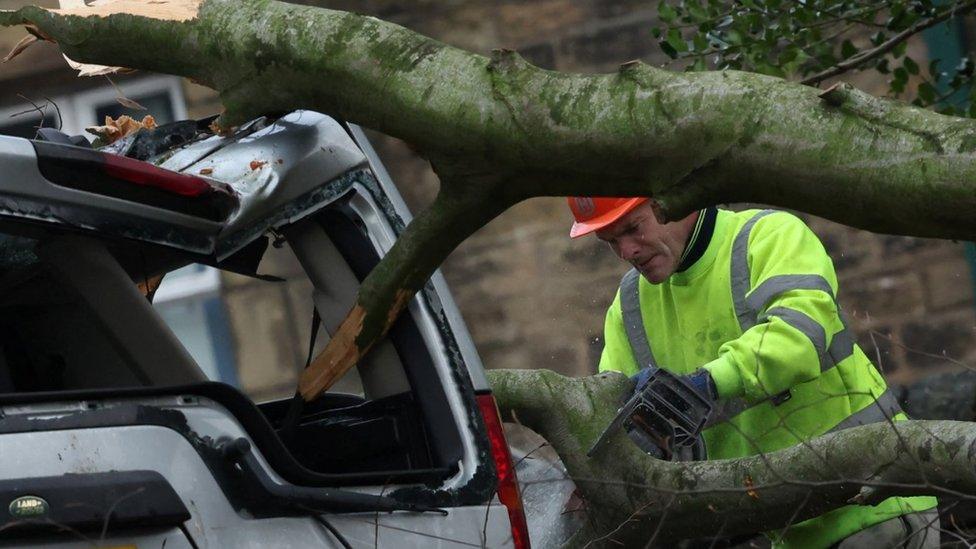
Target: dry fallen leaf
x,y
148,286
206,171
113,130
749,488
87,69
20,47
129,103
221,130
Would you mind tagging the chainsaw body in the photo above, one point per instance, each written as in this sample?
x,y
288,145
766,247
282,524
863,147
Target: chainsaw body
x,y
665,419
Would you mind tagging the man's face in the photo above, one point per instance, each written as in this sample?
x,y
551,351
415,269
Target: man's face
x,y
652,248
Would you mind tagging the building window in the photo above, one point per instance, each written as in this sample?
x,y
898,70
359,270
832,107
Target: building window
x,y
162,96
190,303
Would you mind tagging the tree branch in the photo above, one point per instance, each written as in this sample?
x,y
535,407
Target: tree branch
x,y
888,45
739,496
461,208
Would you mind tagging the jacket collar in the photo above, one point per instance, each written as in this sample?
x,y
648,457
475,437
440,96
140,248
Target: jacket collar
x,y
701,237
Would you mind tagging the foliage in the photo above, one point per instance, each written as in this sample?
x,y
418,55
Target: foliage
x,y
817,39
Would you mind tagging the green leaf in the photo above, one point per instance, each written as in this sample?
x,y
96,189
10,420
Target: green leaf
x,y
696,12
847,49
900,74
910,65
666,13
789,55
926,92
899,50
668,49
676,41
897,86
700,43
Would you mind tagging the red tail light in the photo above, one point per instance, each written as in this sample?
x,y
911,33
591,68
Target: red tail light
x,y
146,174
508,487
133,180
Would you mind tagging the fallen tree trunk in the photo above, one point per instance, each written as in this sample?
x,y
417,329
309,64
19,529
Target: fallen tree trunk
x,y
632,497
502,130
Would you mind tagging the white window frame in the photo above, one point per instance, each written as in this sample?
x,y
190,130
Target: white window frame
x,y
84,103
199,284
78,109
61,101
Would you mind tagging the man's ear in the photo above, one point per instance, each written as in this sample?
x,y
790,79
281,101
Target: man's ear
x,y
658,212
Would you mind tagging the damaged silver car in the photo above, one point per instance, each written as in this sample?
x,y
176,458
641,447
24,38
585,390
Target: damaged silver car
x,y
110,432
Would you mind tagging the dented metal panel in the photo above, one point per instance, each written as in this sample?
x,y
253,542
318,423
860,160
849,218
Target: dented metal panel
x,y
280,173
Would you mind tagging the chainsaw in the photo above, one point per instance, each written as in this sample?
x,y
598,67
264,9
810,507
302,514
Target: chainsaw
x,y
664,419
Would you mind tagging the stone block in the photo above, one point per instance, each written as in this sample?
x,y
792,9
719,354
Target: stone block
x,y
609,46
603,9
850,249
939,341
878,343
530,22
194,93
949,283
540,55
886,295
264,332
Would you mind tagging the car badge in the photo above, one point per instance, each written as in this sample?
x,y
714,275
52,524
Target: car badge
x,y
28,506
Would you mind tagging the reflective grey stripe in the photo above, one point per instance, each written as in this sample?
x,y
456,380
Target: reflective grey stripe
x,y
841,346
883,409
633,321
779,284
740,271
808,327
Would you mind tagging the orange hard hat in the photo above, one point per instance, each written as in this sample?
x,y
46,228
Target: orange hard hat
x,y
593,213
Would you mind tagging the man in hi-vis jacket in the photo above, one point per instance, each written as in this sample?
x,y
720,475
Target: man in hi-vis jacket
x,y
743,306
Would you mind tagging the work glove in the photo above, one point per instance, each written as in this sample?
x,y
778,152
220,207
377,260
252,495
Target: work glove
x,y
700,380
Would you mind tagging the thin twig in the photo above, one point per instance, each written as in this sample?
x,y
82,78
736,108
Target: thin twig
x,y
889,45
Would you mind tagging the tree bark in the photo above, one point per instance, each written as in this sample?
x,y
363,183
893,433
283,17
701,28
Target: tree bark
x,y
631,496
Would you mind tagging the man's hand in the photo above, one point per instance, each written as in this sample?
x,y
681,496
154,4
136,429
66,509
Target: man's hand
x,y
700,380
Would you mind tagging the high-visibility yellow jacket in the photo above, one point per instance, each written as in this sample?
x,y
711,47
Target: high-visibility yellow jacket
x,y
758,310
